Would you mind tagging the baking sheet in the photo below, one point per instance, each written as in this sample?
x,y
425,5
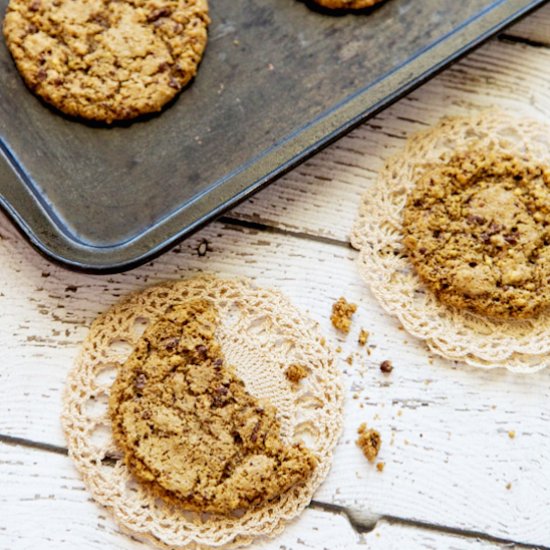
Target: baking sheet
x,y
278,82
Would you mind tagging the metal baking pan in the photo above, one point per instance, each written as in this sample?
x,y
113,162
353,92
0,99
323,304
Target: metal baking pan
x,y
279,81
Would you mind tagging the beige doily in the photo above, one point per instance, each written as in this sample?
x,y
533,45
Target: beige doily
x,y
520,346
261,334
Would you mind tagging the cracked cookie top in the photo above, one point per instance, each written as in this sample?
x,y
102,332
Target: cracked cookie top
x,y
477,230
189,427
103,60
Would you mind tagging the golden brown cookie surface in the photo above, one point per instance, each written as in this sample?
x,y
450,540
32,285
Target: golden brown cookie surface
x,y
189,427
347,4
106,61
477,230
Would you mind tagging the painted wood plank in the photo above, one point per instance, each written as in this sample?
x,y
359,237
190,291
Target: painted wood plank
x,y
320,197
535,27
44,504
448,455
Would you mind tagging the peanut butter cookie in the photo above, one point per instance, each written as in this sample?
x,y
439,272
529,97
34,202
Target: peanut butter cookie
x,y
477,230
106,61
189,427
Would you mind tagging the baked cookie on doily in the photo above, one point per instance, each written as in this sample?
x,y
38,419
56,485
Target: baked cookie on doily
x,y
106,61
224,344
453,239
347,4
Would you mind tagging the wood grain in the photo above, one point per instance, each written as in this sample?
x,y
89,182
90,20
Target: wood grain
x,y
444,427
43,490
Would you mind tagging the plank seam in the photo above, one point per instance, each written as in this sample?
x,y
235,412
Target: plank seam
x,y
259,226
358,526
517,39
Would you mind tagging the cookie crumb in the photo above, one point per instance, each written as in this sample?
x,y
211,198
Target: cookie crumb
x,y
342,312
508,486
296,373
512,434
369,441
339,349
349,360
363,337
380,466
386,366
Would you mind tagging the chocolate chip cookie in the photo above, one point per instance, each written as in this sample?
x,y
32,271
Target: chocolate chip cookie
x,y
347,4
189,427
106,61
477,229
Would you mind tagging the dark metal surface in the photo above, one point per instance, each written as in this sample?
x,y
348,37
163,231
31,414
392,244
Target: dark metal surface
x,y
278,82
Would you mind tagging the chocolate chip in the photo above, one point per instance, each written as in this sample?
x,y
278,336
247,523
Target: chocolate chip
x,y
171,343
34,5
157,14
510,239
221,390
255,430
473,218
422,250
173,83
202,351
485,238
218,362
140,381
386,366
494,228
41,75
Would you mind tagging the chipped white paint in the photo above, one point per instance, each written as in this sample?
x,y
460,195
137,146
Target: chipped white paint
x,y
449,459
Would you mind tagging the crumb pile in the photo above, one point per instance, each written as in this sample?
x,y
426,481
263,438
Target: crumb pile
x,y
342,312
369,441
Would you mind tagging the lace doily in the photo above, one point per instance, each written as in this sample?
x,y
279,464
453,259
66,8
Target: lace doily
x,y
520,346
261,334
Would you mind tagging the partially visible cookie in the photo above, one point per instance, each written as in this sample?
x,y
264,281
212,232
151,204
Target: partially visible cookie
x,y
477,229
347,4
189,427
106,61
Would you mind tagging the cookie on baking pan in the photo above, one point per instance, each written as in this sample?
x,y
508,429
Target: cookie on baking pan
x,y
453,239
182,421
347,4
106,61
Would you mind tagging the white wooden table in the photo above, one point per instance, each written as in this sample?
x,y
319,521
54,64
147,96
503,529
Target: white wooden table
x,y
454,478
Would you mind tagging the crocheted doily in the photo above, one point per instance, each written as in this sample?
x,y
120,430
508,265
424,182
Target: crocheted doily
x,y
520,346
261,334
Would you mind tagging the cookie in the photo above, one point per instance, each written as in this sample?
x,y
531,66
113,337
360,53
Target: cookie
x,y
106,61
477,229
384,263
188,425
347,4
260,333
